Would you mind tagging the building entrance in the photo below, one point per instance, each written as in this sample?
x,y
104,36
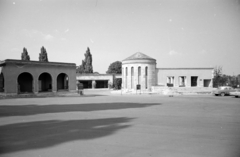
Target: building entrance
x,y
194,81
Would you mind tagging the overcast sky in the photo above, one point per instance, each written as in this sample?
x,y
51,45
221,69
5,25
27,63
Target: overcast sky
x,y
178,33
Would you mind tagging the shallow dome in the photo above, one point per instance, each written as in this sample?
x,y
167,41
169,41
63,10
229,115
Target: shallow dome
x,y
139,56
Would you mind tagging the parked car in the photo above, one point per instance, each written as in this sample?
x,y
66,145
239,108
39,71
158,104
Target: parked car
x,y
223,90
236,93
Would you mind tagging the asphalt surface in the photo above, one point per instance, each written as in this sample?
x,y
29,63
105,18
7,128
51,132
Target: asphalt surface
x,y
102,125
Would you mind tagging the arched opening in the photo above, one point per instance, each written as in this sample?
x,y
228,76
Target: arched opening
x,y
25,83
126,78
1,82
45,82
62,82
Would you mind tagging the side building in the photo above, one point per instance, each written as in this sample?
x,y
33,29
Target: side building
x,y
19,76
95,80
140,69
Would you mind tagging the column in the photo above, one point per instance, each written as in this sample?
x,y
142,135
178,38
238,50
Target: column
x,y
93,84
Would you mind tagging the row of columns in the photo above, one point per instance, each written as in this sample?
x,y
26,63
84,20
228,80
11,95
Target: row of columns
x,y
133,75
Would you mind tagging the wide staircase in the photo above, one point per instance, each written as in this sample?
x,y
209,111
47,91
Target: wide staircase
x,y
162,90
182,90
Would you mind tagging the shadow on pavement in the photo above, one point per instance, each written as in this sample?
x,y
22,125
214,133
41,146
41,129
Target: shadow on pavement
x,y
24,110
42,134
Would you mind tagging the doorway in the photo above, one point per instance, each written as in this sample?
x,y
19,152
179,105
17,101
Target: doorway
x,y
194,81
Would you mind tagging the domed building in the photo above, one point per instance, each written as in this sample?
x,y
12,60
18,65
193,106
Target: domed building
x,y
138,69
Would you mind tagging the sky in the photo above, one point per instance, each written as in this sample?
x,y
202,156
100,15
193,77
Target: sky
x,y
177,33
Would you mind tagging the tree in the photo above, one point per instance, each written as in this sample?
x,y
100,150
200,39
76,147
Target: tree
x,y
88,60
223,80
25,55
80,69
238,80
117,83
115,68
217,76
86,66
43,55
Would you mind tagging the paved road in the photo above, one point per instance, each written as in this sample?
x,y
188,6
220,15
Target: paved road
x,y
99,125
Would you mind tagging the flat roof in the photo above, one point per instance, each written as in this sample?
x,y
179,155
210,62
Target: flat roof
x,y
36,62
92,74
198,68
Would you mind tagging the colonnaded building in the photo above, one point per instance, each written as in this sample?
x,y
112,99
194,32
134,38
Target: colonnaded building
x,y
21,77
140,69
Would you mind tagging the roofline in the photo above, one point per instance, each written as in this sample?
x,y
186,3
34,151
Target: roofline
x,y
139,59
148,63
35,62
199,68
92,74
147,57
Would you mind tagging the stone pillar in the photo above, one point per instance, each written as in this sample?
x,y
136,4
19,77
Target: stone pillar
x,y
94,84
54,83
185,81
123,78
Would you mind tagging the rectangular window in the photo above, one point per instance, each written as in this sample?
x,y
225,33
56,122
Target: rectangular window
x,y
170,81
182,81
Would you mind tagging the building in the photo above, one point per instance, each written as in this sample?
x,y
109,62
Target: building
x,y
19,76
96,80
140,69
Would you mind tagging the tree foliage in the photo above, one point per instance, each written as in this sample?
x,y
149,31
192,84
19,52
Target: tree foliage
x,y
223,80
25,55
86,66
43,55
115,68
217,76
117,83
